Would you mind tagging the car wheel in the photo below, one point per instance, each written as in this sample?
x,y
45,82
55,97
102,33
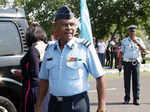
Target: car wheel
x,y
6,105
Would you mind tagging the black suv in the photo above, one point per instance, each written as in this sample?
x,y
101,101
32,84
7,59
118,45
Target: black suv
x,y
13,46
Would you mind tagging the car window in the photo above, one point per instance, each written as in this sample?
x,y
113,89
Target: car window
x,y
9,39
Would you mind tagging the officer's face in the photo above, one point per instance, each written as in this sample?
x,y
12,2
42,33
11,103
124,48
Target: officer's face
x,y
132,33
65,28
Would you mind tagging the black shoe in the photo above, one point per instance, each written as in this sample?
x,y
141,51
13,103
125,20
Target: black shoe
x,y
136,102
126,102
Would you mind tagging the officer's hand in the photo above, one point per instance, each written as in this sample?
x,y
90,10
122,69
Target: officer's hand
x,y
119,67
35,23
38,108
101,109
135,41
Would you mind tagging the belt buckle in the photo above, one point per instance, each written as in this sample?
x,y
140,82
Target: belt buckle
x,y
60,99
134,63
132,59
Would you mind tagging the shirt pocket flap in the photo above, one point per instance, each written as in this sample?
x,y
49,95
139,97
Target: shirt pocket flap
x,y
50,64
74,64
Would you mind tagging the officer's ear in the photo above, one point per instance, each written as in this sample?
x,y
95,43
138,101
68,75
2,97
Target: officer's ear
x,y
55,28
54,25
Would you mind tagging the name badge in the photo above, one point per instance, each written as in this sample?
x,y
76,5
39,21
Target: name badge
x,y
49,59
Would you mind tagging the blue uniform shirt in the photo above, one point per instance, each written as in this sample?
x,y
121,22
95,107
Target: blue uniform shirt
x,y
130,50
68,71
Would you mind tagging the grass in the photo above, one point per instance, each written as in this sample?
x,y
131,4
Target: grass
x,y
121,75
147,61
117,75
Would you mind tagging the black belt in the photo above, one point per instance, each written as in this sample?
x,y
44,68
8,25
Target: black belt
x,y
134,62
68,98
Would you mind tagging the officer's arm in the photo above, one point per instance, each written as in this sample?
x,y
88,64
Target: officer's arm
x,y
120,61
42,92
101,90
140,46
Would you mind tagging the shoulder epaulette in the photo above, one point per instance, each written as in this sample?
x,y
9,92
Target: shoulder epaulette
x,y
86,42
50,44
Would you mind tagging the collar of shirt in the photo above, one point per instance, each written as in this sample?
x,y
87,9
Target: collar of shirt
x,y
55,45
70,43
131,40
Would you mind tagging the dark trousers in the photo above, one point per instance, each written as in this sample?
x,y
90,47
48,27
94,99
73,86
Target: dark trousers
x,y
75,103
101,58
114,55
131,70
30,97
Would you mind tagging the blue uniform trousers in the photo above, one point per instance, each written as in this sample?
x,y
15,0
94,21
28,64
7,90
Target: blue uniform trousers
x,y
132,69
75,103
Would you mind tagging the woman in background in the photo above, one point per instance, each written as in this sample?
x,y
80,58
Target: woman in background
x,y
101,51
30,65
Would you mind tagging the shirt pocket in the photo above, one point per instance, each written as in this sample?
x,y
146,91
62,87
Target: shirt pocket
x,y
51,67
74,69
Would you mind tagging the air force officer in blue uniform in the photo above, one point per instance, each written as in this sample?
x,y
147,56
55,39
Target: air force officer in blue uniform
x,y
131,48
67,63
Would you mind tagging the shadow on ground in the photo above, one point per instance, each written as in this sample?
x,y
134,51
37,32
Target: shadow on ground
x,y
108,103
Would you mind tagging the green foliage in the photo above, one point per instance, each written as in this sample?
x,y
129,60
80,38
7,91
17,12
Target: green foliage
x,y
108,17
111,18
43,11
3,2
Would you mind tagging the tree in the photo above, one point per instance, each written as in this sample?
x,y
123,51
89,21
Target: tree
x,y
113,17
3,2
42,11
108,17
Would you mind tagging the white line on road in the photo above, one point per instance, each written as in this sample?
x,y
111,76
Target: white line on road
x,y
108,89
111,89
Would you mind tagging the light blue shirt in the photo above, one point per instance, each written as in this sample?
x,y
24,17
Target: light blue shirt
x,y
68,77
130,49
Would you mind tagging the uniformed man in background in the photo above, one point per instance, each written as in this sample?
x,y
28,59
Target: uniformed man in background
x,y
67,63
131,48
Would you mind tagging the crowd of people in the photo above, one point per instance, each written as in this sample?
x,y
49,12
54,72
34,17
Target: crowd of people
x,y
60,68
109,52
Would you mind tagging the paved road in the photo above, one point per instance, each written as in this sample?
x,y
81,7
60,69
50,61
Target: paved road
x,y
115,93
